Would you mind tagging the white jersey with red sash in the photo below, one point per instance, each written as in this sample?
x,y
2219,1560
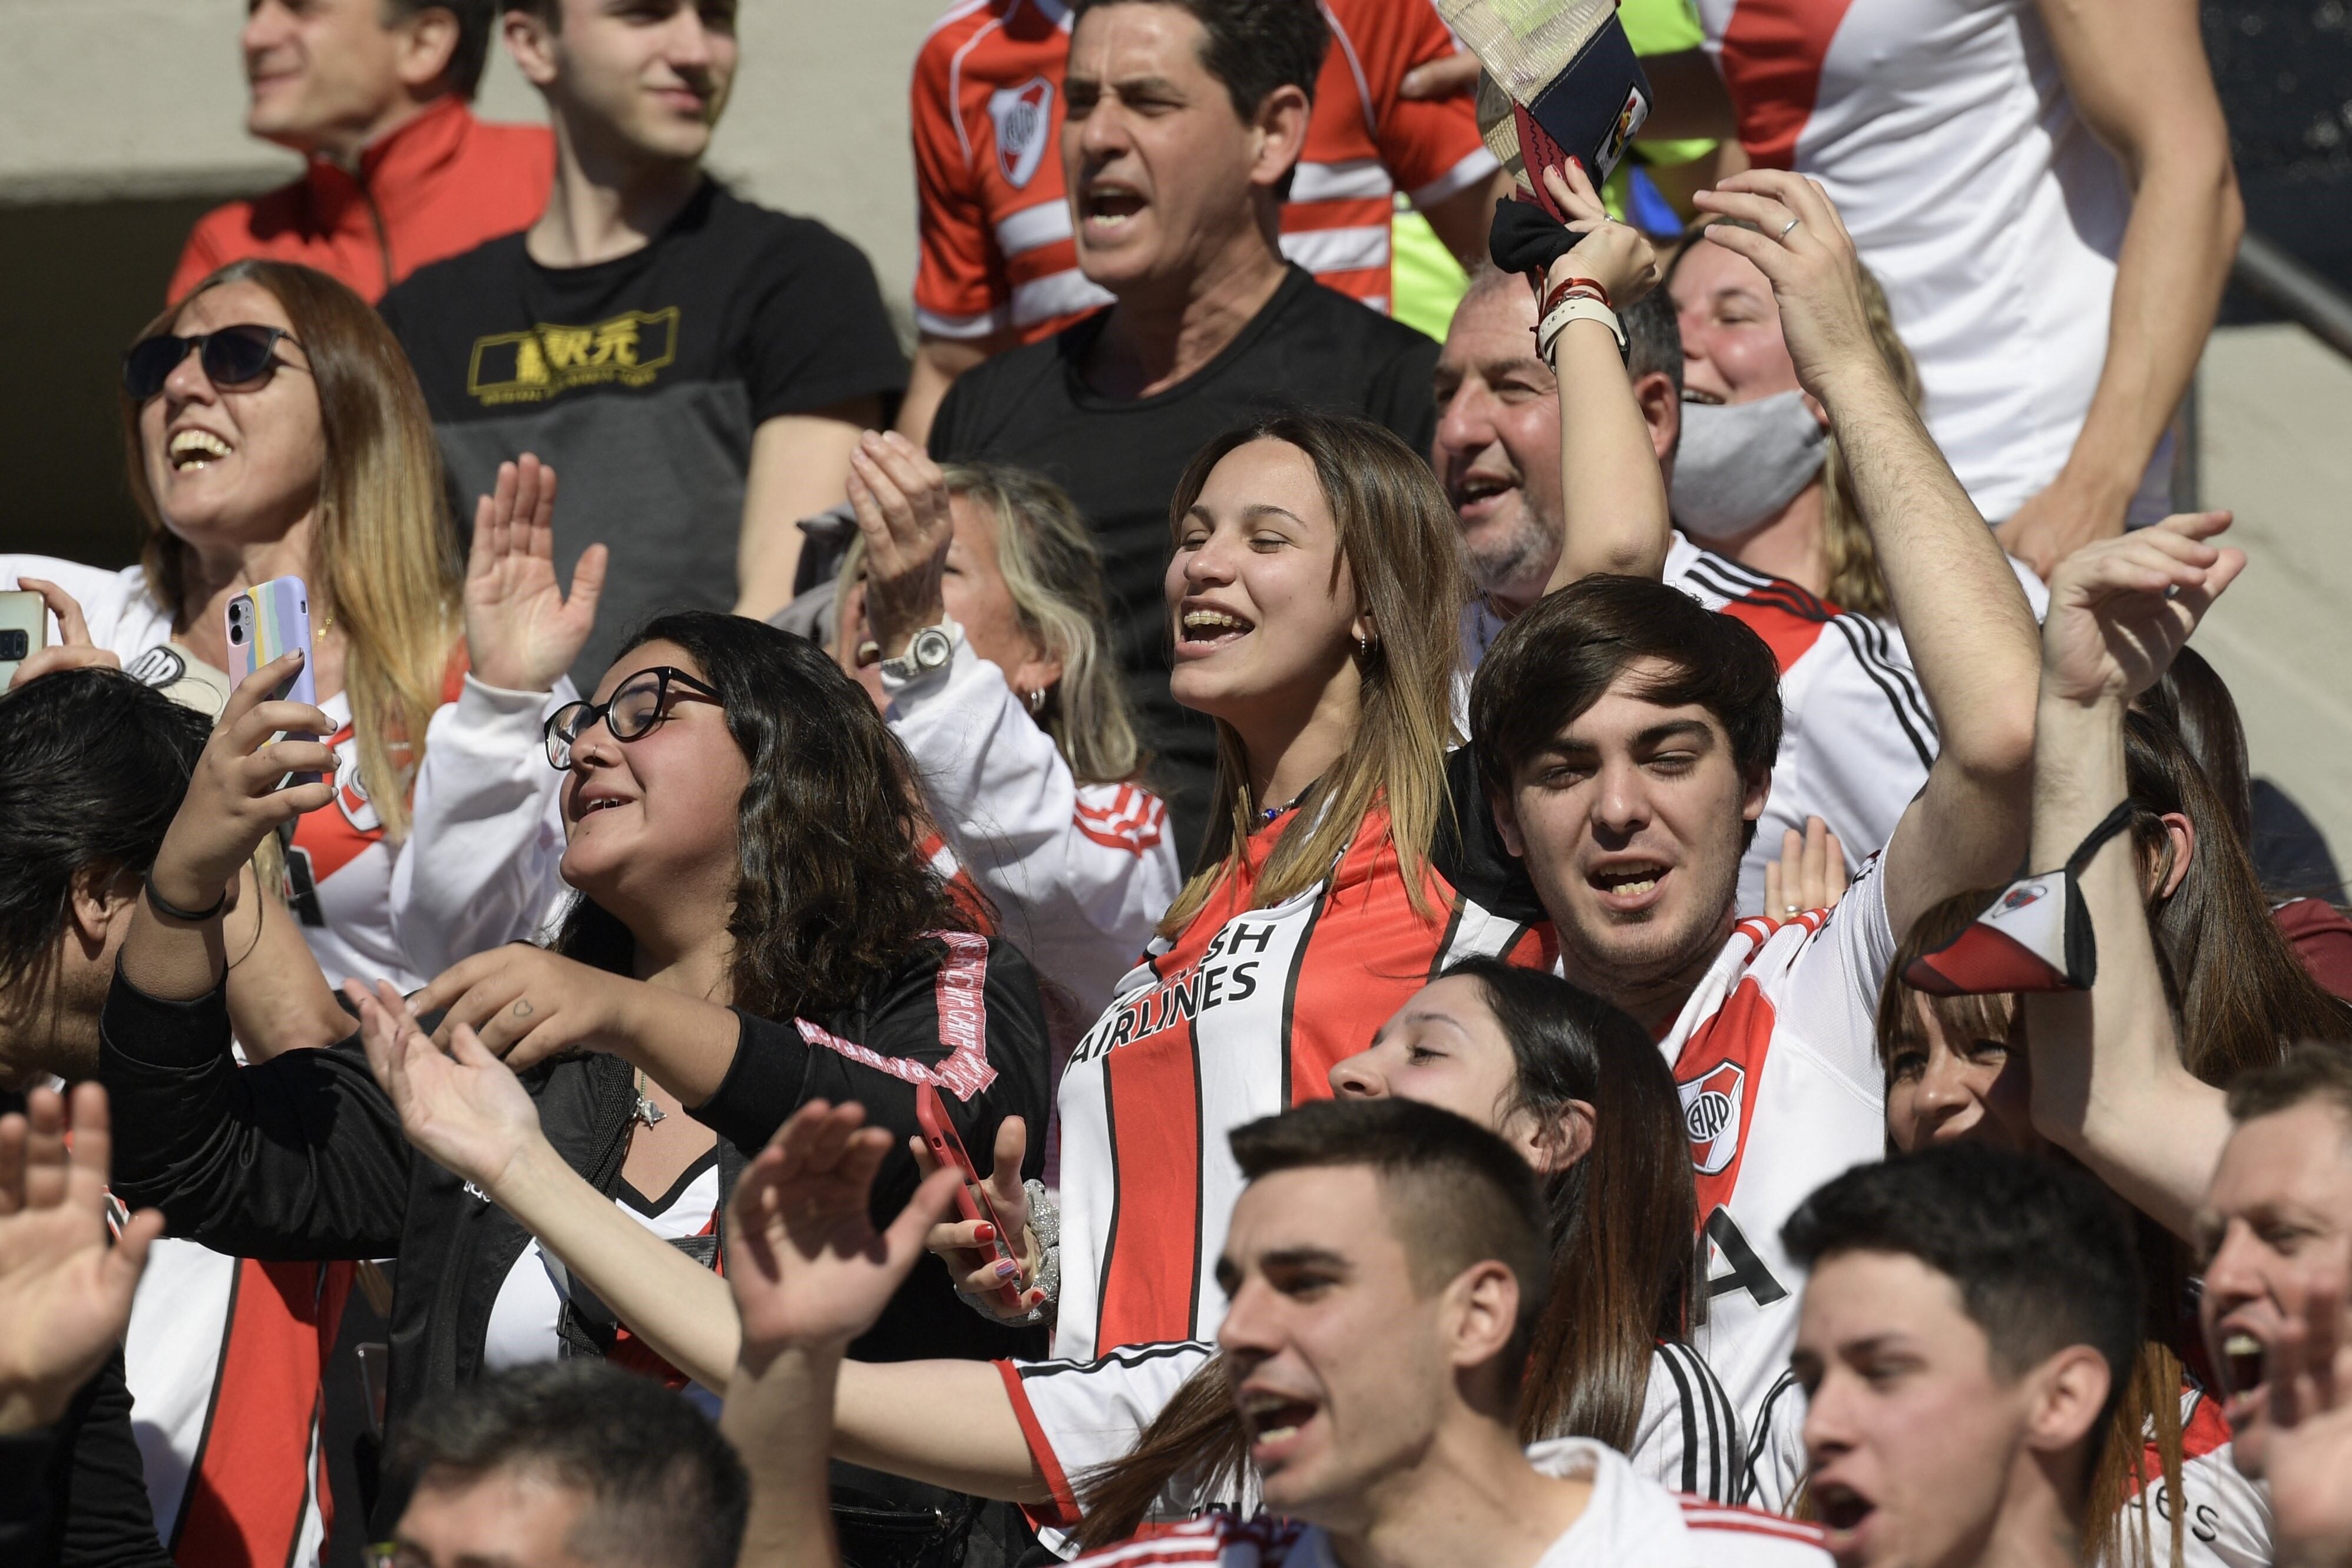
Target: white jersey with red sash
x,y
1241,1016
1777,1058
224,1358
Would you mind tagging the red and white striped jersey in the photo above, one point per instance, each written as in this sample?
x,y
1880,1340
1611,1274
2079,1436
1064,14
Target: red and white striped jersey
x,y
1243,1015
1777,1060
1077,1416
224,1357
993,221
1628,1519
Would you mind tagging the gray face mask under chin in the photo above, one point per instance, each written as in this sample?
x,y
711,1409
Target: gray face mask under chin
x,y
1738,463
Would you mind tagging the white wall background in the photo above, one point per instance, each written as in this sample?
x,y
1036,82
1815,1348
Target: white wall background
x,y
101,99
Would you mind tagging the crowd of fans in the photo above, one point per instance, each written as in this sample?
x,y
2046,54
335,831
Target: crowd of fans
x,y
1627,936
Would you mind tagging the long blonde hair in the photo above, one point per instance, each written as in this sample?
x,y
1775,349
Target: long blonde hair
x,y
1402,551
384,567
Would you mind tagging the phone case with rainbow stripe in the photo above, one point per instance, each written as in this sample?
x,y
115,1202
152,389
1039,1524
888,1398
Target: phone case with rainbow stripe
x,y
266,621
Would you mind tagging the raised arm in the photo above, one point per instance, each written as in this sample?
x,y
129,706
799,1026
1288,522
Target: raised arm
x,y
297,1157
1081,877
809,1275
2138,74
486,834
1612,494
2109,1083
1970,631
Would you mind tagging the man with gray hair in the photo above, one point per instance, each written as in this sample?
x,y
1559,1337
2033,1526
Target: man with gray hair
x,y
1536,474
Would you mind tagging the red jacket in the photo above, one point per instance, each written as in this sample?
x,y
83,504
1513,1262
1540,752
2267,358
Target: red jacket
x,y
434,187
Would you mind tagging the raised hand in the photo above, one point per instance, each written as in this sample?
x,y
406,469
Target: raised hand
x,y
522,631
2121,608
1803,248
525,1003
806,1267
76,652
964,1245
233,801
1617,256
1810,873
901,501
65,1294
463,1107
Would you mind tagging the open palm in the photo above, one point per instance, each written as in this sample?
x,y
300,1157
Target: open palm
x,y
64,1293
804,1262
2121,608
522,630
464,1108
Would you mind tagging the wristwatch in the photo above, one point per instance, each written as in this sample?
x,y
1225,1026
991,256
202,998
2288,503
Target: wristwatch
x,y
931,649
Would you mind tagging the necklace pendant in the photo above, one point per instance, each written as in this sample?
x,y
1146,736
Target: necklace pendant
x,y
647,1111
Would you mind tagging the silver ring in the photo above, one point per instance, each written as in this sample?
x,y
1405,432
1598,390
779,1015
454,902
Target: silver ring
x,y
1792,223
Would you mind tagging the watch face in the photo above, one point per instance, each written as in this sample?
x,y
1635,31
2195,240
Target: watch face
x,y
932,648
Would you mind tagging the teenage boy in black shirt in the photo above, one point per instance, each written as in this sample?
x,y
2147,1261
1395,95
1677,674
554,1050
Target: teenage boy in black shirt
x,y
1184,119
683,358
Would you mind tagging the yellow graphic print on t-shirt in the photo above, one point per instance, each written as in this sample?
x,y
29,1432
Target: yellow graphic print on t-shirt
x,y
546,360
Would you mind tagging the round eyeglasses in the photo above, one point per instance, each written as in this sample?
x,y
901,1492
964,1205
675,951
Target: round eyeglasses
x,y
636,705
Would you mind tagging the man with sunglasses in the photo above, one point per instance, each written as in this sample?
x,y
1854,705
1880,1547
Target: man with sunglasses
x,y
696,367
375,96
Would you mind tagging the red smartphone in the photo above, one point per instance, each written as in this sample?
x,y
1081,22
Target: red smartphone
x,y
972,1198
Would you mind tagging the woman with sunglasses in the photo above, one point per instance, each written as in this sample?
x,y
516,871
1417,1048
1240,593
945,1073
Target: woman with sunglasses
x,y
755,926
274,429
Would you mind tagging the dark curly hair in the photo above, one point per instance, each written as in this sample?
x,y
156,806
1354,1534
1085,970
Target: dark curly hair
x,y
833,892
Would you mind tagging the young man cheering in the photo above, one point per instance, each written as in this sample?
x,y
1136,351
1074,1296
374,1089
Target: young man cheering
x,y
1958,1386
1626,737
1385,1264
696,367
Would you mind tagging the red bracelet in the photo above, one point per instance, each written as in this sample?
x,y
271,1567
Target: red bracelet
x,y
1567,286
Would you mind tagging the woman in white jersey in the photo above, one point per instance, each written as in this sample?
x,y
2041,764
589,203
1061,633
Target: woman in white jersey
x,y
274,429
1012,708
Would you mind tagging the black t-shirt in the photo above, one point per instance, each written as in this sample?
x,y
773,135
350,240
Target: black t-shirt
x,y
1119,458
641,380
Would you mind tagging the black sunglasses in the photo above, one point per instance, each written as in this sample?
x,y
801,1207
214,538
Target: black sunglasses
x,y
638,704
234,358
